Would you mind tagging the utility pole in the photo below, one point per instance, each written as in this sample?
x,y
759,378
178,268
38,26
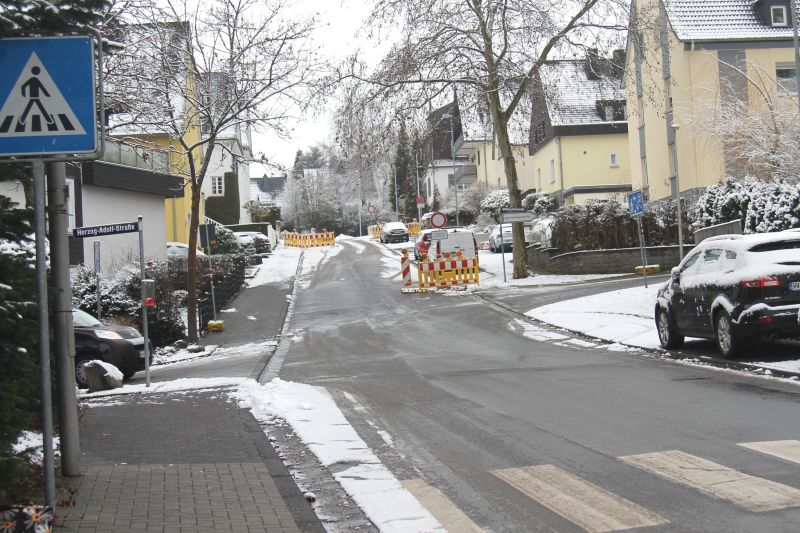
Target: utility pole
x,y
675,128
793,9
63,334
416,168
455,178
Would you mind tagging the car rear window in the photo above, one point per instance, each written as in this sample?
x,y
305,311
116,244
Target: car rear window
x,y
776,246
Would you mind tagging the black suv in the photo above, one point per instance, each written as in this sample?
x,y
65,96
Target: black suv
x,y
121,346
733,289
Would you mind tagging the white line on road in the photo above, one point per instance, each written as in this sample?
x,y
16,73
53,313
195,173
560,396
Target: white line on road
x,y
743,490
581,502
785,449
440,506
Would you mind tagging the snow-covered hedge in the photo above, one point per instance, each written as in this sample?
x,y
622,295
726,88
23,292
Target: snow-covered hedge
x,y
606,224
119,299
540,203
761,206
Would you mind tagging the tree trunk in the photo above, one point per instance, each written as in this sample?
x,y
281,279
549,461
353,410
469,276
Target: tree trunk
x,y
191,275
510,167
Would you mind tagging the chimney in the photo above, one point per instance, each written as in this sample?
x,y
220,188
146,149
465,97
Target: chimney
x,y
617,64
594,64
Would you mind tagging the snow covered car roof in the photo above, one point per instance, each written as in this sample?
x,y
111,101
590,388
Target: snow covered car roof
x,y
394,225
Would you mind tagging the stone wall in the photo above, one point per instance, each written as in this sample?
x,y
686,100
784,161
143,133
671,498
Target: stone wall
x,y
615,261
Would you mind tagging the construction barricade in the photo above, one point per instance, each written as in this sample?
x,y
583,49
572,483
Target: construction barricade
x,y
294,239
374,232
444,273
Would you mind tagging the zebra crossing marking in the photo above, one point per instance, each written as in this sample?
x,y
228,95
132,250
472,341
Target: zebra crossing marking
x,y
36,107
783,449
440,506
581,502
743,490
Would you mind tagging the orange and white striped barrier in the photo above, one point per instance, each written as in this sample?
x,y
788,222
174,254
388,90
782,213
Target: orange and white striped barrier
x,y
448,272
308,240
405,267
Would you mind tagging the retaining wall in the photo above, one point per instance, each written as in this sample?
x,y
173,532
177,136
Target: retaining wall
x,y
614,261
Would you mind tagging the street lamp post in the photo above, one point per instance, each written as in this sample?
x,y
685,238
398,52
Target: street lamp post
x,y
675,128
416,168
453,158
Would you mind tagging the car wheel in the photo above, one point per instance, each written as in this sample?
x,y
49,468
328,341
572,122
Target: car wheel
x,y
668,335
128,374
724,335
80,370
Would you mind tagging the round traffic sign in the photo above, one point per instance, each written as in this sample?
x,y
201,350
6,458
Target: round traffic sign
x,y
371,209
438,219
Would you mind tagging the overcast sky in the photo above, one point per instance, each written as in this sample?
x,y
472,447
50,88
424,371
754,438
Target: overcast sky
x,y
337,37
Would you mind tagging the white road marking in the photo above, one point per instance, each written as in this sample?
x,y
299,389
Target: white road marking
x,y
581,502
440,506
784,449
743,490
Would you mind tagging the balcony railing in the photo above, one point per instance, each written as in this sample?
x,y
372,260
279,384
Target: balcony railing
x,y
136,156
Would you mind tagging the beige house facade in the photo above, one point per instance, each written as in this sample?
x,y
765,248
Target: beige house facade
x,y
684,62
579,132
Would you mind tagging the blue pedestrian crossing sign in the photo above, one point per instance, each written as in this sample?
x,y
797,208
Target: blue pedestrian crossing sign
x,y
636,203
47,96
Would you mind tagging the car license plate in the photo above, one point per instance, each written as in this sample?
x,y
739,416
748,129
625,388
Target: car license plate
x,y
794,285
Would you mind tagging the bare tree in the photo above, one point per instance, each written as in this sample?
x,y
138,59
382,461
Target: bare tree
x,y
490,50
753,120
209,70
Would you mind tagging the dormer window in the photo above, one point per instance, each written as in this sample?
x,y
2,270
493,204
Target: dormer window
x,y
778,15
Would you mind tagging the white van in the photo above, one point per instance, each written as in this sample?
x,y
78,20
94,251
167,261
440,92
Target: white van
x,y
458,240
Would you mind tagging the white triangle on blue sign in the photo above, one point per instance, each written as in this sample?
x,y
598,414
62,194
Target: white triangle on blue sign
x,y
35,106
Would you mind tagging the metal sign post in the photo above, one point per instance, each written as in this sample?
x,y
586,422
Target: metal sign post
x,y
636,208
511,215
97,276
117,229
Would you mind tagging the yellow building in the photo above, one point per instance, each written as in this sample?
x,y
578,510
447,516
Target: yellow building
x,y
170,40
685,61
579,140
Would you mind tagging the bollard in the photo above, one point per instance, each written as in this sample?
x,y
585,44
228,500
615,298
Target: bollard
x,y
405,266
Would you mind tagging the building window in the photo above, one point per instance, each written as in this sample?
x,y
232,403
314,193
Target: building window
x,y
786,78
216,186
778,15
538,180
479,157
614,161
552,171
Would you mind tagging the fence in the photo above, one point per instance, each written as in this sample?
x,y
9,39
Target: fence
x,y
223,293
308,240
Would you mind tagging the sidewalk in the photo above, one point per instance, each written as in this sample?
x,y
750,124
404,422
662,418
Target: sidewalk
x,y
184,461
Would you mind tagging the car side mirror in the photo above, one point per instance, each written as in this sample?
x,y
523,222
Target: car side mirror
x,y
675,274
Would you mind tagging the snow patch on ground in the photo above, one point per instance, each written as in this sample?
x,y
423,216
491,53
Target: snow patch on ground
x,y
320,424
537,333
279,267
230,310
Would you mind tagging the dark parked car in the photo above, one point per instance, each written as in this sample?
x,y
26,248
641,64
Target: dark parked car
x,y
394,232
259,241
733,289
121,346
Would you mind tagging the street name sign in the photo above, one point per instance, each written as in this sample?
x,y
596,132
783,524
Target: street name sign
x,y
516,214
636,203
108,229
47,96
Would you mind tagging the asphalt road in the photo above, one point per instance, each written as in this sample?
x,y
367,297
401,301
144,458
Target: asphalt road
x,y
501,432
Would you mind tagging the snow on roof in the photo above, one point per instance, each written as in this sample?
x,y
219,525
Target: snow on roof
x,y
720,20
476,122
572,97
477,125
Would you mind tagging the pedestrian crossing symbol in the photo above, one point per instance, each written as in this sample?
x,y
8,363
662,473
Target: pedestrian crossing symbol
x,y
47,96
43,109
